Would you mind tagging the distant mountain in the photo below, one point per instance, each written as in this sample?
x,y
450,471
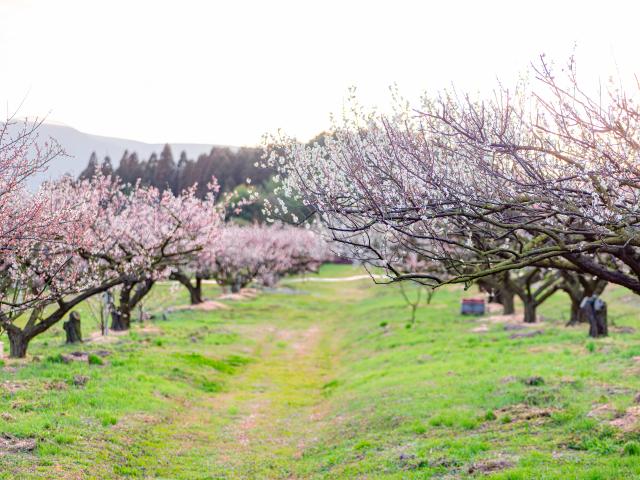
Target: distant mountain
x,y
79,146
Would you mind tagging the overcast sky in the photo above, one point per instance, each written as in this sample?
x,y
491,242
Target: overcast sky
x,y
227,72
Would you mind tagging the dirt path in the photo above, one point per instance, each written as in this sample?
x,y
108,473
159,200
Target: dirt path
x,y
268,414
353,278
273,400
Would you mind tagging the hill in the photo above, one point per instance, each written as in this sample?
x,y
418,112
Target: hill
x,y
79,146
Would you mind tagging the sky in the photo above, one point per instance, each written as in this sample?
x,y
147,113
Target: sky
x,y
226,72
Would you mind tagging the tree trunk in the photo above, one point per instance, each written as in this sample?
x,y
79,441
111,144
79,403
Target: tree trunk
x,y
72,328
414,307
598,325
195,293
120,320
121,317
576,315
595,310
529,312
18,343
506,298
236,285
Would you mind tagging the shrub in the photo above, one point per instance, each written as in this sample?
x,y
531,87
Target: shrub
x,y
62,439
95,360
211,387
469,423
363,445
631,448
55,358
417,428
108,420
489,416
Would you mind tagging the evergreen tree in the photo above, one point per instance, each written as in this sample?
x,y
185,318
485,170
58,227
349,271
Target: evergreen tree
x,y
150,170
130,169
91,168
183,160
106,168
179,177
164,172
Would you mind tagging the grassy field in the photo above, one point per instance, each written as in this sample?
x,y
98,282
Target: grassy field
x,y
325,380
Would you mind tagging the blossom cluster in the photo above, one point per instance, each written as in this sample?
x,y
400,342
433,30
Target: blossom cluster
x,y
263,253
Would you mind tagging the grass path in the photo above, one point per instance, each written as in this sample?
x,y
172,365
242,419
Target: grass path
x,y
272,408
260,425
276,408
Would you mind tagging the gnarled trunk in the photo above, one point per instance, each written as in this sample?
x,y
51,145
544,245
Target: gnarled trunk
x,y
72,328
576,314
18,344
500,291
195,292
121,317
529,311
534,287
507,300
196,295
236,286
595,310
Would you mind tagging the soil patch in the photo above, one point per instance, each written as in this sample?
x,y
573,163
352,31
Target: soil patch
x,y
114,336
603,411
480,329
533,333
206,306
521,412
489,466
629,421
244,294
13,386
11,444
513,319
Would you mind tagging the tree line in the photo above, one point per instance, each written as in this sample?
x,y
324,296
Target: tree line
x,y
231,167
239,171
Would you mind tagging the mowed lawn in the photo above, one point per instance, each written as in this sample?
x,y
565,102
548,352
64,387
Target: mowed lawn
x,y
324,380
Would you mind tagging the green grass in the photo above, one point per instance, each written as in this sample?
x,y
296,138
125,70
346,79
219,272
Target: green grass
x,y
328,384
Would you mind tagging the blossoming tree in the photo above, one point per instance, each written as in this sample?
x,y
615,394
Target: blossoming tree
x,y
549,175
105,236
542,177
48,269
148,234
243,254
